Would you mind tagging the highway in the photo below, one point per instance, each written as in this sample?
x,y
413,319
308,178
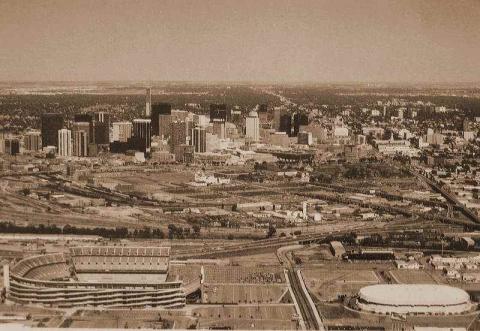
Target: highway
x,y
310,316
447,195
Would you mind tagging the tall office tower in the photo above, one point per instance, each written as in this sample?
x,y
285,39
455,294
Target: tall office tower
x,y
263,113
220,129
467,125
299,119
32,141
122,131
278,113
83,117
200,120
12,146
102,117
159,109
179,134
189,124
51,123
64,142
218,112
86,118
199,139
179,115
252,126
184,153
148,102
142,134
165,126
82,126
286,124
101,133
80,143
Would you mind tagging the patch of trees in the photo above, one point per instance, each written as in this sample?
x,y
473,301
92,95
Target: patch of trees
x,y
118,232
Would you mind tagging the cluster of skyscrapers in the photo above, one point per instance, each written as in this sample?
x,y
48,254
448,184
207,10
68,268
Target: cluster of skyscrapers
x,y
180,132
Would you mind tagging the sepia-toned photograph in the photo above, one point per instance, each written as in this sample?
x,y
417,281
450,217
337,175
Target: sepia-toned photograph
x,y
240,165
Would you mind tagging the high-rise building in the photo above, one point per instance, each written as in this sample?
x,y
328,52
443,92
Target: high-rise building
x,y
278,113
32,141
80,143
122,131
148,102
82,126
164,126
101,133
142,134
467,125
12,146
218,113
100,129
102,117
263,113
157,110
305,138
86,118
83,117
199,139
252,126
285,124
179,134
184,153
200,120
51,123
64,142
220,129
299,119
179,115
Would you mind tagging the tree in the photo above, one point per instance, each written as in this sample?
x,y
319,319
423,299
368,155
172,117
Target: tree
x,y
271,231
26,191
196,230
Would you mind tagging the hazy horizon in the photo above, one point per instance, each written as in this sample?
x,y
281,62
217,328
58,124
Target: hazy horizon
x,y
299,42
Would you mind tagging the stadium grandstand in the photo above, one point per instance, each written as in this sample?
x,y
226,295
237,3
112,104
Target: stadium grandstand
x,y
110,277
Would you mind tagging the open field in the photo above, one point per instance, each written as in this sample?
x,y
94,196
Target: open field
x,y
129,319
242,275
327,283
282,317
246,294
412,277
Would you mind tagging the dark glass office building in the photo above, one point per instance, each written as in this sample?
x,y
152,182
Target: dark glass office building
x,y
157,110
51,123
218,112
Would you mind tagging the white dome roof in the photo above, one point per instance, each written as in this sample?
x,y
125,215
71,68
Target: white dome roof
x,y
413,295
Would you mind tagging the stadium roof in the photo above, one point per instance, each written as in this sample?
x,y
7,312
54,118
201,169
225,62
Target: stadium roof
x,y
413,295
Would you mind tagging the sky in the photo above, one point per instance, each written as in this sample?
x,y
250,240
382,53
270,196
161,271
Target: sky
x,y
244,40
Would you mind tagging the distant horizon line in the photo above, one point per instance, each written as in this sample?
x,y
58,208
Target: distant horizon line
x,y
253,82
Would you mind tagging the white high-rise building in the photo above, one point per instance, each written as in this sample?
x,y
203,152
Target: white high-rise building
x,y
252,126
148,102
199,139
65,142
121,131
80,143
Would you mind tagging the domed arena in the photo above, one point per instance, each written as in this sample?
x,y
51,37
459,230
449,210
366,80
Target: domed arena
x,y
414,299
110,277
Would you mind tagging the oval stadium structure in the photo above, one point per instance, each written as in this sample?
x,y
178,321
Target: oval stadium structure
x,y
414,299
110,277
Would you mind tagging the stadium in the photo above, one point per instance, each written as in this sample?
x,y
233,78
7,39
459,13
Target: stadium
x,y
414,299
110,277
